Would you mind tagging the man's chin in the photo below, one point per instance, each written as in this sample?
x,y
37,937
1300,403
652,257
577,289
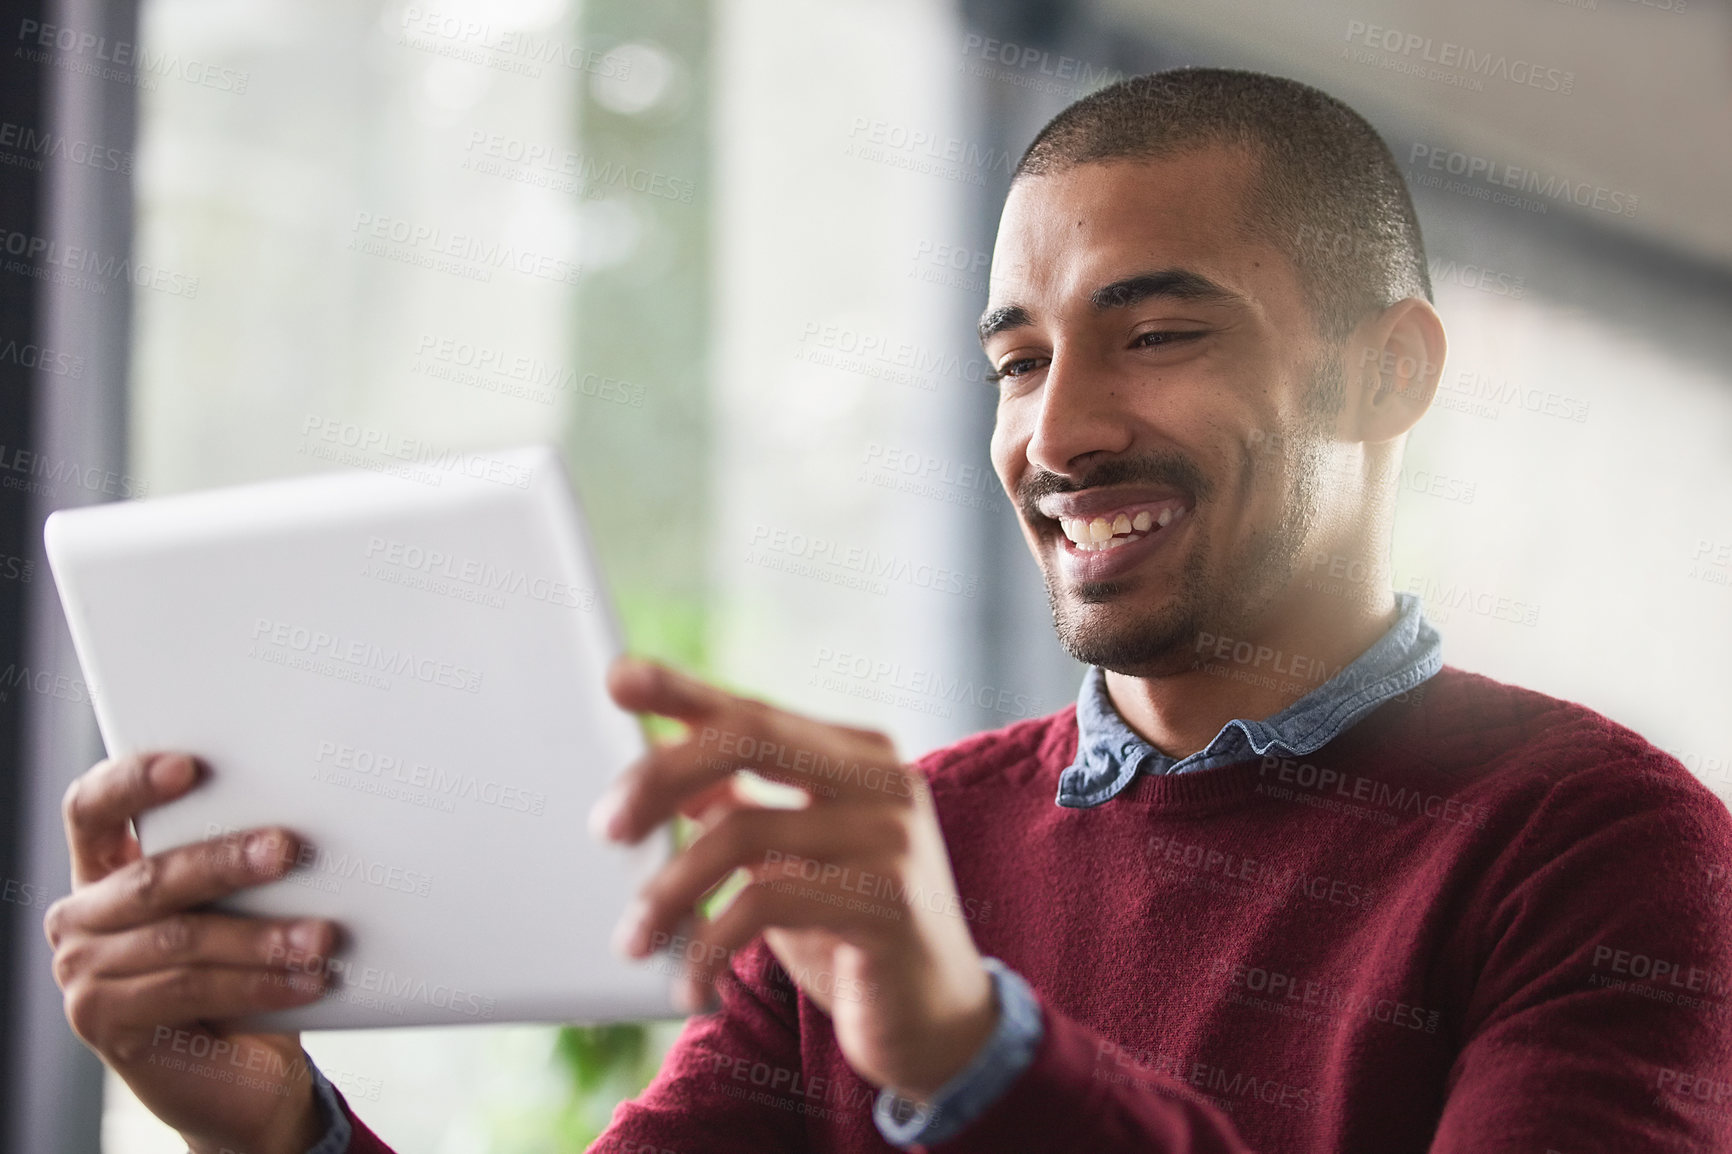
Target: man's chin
x,y
1151,643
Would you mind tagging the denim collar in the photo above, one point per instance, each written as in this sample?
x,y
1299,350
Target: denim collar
x,y
1110,754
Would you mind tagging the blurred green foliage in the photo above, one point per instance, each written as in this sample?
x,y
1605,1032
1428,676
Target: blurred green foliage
x,y
644,320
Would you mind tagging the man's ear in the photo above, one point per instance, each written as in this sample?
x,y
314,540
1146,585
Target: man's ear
x,y
1394,362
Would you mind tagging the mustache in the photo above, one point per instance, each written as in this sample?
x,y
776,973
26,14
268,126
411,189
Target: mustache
x,y
1163,468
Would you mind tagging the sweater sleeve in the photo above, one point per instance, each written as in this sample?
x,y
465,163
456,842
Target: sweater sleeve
x,y
360,1139
339,1129
1601,1016
905,1123
707,1094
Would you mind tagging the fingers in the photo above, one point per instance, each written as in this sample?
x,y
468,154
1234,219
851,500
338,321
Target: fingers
x,y
649,687
197,939
745,837
829,762
151,888
755,908
100,804
709,805
670,778
100,1009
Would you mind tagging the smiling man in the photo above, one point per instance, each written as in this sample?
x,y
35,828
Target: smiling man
x,y
1279,881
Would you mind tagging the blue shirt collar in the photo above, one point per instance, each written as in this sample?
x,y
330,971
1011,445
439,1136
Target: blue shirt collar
x,y
1110,754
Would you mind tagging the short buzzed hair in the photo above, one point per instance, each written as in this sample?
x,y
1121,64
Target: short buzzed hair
x,y
1327,193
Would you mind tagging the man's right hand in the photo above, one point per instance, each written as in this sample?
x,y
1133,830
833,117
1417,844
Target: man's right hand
x,y
150,976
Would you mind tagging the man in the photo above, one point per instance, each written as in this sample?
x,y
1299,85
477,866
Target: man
x,y
1279,881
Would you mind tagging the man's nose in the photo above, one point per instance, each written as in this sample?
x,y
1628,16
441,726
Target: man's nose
x,y
1082,412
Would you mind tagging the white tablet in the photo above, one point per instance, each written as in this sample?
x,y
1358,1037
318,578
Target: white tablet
x,y
407,669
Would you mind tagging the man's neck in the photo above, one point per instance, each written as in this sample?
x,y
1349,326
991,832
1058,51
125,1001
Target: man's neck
x,y
1247,677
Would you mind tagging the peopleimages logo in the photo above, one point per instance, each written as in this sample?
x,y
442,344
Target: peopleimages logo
x,y
461,254
400,778
478,573
341,866
40,256
37,473
42,360
501,370
1460,58
279,642
35,145
457,37
1497,174
89,54
865,352
353,982
815,555
563,170
911,687
368,442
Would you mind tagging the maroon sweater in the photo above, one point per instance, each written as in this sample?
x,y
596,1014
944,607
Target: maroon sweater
x,y
1480,920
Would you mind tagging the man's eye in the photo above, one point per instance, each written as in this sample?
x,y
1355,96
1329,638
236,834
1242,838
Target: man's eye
x,y
1014,368
1164,337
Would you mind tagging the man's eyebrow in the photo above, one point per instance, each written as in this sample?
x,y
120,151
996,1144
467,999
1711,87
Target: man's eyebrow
x,y
997,320
1181,284
1178,283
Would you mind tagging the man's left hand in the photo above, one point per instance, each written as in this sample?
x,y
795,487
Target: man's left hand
x,y
853,892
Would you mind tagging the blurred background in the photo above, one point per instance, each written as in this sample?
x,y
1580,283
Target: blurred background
x,y
729,256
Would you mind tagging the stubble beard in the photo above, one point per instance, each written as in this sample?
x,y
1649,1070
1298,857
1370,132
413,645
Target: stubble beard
x,y
1106,623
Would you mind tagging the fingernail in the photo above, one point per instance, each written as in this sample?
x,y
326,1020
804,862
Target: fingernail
x,y
171,772
604,815
629,934
264,851
305,936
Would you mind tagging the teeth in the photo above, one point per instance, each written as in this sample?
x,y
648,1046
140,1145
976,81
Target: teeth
x,y
1103,546
1099,534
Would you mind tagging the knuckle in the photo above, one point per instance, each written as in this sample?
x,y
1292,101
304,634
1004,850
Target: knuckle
x,y
274,946
72,802
54,923
173,936
755,715
184,987
84,1013
69,963
144,881
127,1049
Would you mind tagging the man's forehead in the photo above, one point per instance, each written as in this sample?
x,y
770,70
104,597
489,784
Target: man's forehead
x,y
1064,235
1175,210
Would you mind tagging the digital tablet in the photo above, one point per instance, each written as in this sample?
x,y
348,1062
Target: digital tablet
x,y
407,668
